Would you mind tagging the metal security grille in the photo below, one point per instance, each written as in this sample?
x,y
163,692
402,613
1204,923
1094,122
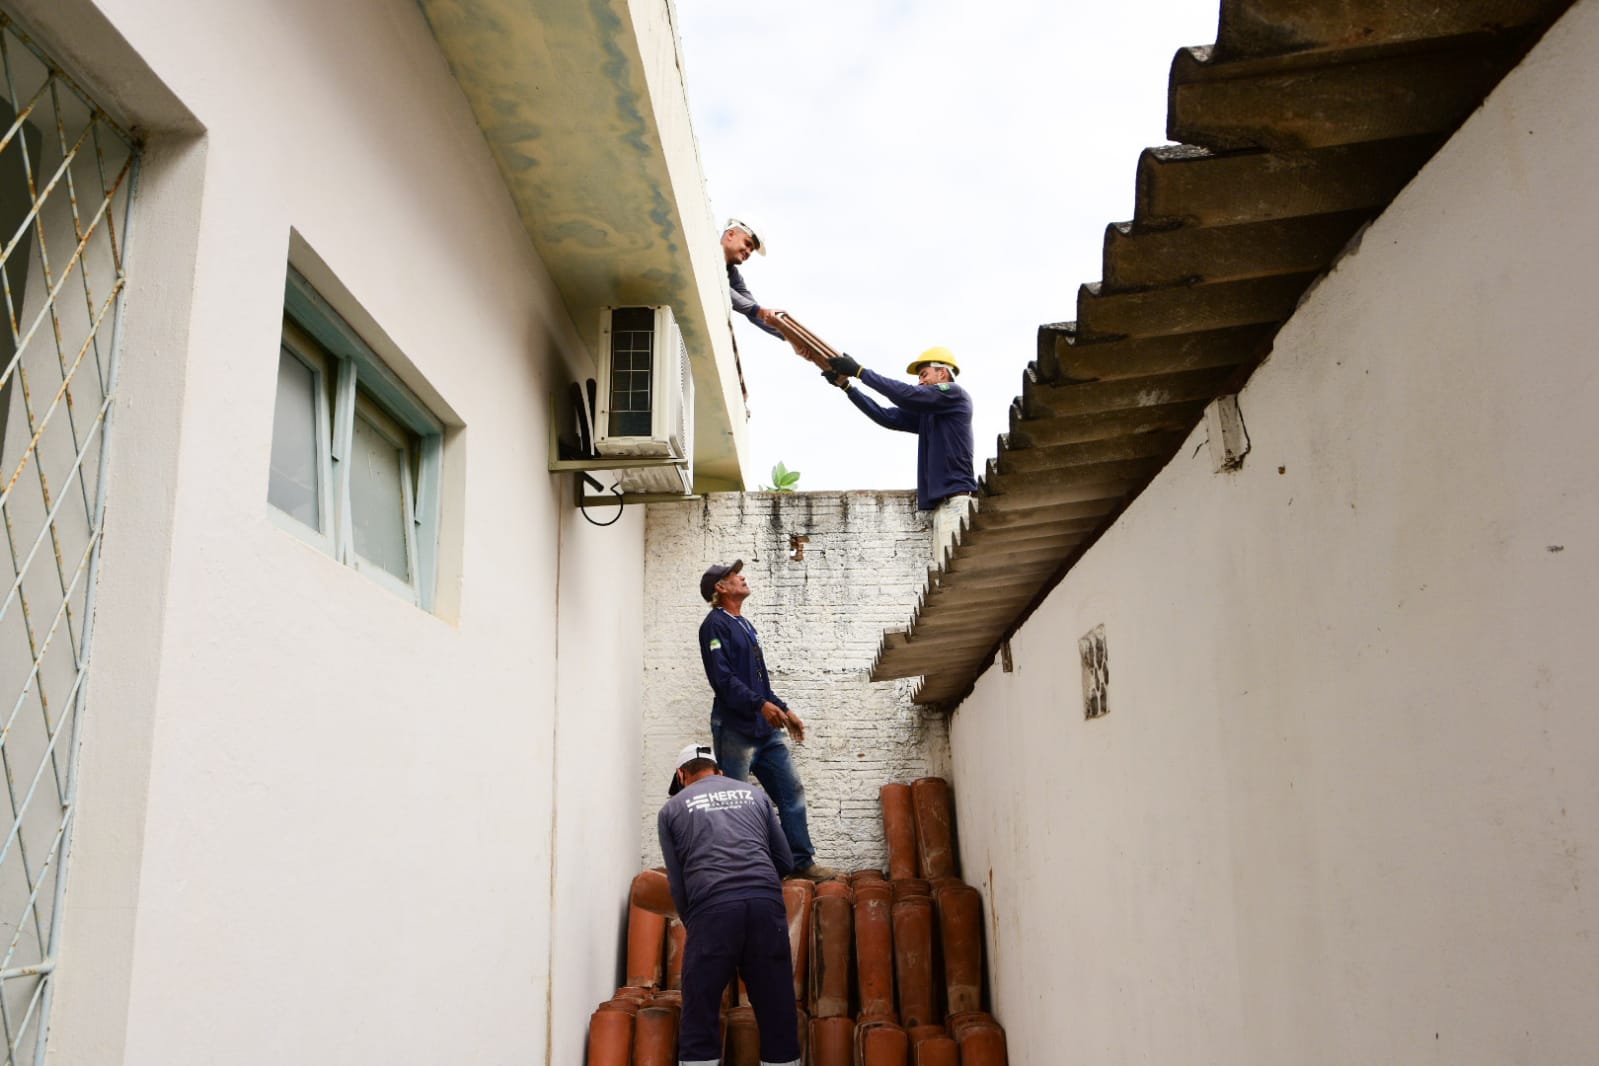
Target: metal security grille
x,y
66,184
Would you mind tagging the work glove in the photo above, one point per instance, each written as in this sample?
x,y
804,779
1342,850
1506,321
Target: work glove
x,y
845,366
836,380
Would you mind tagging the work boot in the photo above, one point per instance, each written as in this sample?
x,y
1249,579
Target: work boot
x,y
813,872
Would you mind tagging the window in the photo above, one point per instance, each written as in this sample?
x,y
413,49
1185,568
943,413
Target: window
x,y
355,456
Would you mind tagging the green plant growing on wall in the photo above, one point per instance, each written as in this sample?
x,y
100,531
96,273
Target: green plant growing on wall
x,y
783,479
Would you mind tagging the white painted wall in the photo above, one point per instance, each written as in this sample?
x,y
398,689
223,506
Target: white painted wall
x,y
596,771
1344,807
821,619
319,824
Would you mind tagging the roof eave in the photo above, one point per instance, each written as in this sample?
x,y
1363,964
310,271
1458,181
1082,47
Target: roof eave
x,y
584,110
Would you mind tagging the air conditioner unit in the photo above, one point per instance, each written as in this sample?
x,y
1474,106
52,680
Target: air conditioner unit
x,y
646,399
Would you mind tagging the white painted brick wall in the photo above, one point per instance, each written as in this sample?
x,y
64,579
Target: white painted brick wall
x,y
820,621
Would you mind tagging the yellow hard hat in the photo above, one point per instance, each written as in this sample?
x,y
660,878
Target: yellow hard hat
x,y
935,355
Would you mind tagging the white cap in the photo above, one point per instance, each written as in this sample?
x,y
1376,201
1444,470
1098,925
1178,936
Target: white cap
x,y
689,753
745,227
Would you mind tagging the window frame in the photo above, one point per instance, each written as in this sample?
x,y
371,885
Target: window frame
x,y
320,537
374,569
360,376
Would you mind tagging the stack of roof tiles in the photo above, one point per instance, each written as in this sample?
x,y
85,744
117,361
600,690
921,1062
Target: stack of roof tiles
x,y
888,969
1297,127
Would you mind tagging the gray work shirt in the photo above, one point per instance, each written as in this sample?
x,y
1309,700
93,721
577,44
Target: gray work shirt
x,y
744,303
722,842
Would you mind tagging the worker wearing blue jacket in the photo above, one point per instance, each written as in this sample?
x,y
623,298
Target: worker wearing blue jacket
x,y
748,720
936,409
939,412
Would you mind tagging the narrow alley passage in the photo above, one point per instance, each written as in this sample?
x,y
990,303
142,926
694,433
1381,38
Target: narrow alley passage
x,y
888,965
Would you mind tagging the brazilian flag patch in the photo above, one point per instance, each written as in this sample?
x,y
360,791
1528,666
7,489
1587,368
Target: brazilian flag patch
x,y
943,386
716,642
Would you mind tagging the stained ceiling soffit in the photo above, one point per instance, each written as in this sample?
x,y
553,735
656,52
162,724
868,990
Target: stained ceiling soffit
x,y
1296,128
562,92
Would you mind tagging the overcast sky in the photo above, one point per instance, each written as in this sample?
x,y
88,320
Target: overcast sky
x,y
930,173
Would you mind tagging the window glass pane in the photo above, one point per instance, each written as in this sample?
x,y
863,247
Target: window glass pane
x,y
377,500
295,483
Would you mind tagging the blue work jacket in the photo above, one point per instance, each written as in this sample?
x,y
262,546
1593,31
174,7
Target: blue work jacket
x,y
941,418
736,670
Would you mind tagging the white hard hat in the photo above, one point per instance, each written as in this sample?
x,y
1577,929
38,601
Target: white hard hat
x,y
745,227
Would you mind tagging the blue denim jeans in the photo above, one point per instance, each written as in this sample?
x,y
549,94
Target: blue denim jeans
x,y
769,761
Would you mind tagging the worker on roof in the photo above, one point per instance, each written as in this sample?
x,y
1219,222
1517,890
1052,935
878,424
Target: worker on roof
x,y
739,241
939,412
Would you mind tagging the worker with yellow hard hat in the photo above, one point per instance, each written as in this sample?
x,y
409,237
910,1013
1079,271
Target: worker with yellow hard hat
x,y
936,409
935,357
